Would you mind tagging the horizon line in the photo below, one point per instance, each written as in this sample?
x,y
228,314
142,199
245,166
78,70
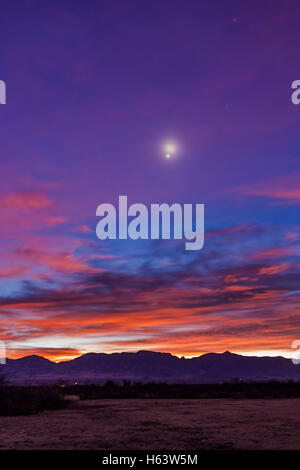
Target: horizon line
x,y
72,358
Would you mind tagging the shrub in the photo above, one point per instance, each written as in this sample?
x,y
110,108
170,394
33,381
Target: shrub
x,y
29,400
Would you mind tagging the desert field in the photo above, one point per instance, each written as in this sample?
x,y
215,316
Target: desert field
x,y
170,424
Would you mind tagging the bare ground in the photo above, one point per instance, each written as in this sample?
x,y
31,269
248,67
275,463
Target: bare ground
x,y
158,424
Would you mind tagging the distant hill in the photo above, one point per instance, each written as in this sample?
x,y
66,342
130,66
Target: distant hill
x,y
148,366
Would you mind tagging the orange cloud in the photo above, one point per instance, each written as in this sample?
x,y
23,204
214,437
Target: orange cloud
x,y
270,270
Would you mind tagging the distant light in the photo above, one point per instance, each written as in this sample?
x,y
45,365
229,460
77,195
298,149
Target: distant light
x,y
168,155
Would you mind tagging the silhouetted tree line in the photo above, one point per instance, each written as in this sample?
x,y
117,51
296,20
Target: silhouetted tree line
x,y
235,389
24,400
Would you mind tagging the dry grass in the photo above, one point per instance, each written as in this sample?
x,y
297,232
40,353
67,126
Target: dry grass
x,y
158,424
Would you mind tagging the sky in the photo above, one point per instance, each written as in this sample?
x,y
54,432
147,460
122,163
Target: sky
x,y
94,91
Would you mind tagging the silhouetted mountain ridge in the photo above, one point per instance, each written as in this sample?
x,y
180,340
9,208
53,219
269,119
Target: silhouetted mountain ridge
x,y
147,366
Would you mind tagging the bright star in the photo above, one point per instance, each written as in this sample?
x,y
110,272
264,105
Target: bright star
x,y
170,149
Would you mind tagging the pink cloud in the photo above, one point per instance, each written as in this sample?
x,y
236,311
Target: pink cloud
x,y
277,252
56,258
291,236
12,272
84,229
25,200
285,189
52,221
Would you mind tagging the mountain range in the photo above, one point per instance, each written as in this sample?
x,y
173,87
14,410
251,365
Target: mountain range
x,y
145,366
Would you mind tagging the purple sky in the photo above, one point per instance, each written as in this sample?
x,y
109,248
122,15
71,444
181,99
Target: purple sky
x,y
94,90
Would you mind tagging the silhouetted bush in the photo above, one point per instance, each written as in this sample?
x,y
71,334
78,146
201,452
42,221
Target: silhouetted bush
x,y
29,400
